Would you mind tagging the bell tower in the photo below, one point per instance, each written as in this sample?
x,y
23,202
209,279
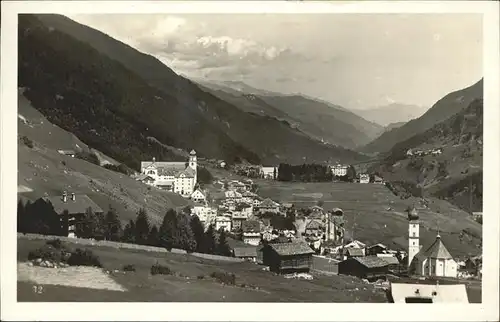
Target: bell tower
x,y
193,164
413,234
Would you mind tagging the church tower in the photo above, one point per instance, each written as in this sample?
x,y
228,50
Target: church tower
x,y
413,234
193,164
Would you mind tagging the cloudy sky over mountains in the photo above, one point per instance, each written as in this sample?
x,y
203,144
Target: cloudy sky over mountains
x,y
354,60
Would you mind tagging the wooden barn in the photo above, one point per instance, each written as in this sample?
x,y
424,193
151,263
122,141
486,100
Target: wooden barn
x,y
369,267
284,258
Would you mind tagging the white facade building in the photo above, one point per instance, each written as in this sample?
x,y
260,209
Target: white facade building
x,y
339,170
198,196
173,176
269,172
434,260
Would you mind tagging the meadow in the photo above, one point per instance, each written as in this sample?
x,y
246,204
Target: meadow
x,y
253,284
375,215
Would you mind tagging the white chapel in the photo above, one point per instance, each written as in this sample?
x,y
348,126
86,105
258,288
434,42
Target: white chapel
x,y
434,260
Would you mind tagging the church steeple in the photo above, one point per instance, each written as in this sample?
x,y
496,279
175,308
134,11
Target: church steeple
x,y
413,234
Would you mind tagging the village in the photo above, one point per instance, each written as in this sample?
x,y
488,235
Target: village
x,y
295,241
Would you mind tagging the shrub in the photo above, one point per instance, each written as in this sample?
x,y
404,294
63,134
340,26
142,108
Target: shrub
x,y
27,141
84,257
129,268
56,243
224,277
160,269
200,277
48,253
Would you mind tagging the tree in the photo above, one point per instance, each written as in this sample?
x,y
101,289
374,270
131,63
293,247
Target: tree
x,y
88,225
168,229
198,233
209,240
41,218
142,227
185,238
21,217
129,232
112,225
351,173
154,237
222,246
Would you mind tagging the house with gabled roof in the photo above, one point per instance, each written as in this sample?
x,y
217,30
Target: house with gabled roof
x,y
72,209
369,267
269,205
282,258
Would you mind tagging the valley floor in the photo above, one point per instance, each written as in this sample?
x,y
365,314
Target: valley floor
x,y
375,215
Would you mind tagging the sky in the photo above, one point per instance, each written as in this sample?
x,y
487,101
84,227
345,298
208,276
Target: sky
x,y
353,60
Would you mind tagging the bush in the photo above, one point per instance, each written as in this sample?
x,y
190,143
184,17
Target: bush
x,y
49,253
56,243
27,141
200,277
160,269
84,257
129,268
224,277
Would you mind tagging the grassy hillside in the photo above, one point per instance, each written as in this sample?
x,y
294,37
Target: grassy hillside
x,y
320,120
446,107
43,171
186,286
173,109
375,215
453,173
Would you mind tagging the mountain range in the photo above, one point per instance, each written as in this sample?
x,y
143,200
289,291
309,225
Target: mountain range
x,y
318,119
114,98
455,174
444,108
392,113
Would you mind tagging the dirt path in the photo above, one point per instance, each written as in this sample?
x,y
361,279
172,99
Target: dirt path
x,y
78,276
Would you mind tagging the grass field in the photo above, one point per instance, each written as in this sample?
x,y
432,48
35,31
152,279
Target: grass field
x,y
369,220
185,286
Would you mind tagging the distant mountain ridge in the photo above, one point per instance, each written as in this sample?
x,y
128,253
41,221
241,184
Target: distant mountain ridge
x,y
319,119
452,173
114,92
392,113
446,107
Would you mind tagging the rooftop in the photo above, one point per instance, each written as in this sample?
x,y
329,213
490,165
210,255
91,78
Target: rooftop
x,y
77,206
245,251
291,248
250,226
370,261
436,250
456,293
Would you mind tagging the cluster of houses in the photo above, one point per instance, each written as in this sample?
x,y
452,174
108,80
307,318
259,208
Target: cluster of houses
x,y
421,153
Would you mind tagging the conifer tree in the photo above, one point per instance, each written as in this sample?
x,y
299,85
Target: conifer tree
x,y
129,232
154,237
209,240
185,237
168,229
112,225
142,227
198,233
222,246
